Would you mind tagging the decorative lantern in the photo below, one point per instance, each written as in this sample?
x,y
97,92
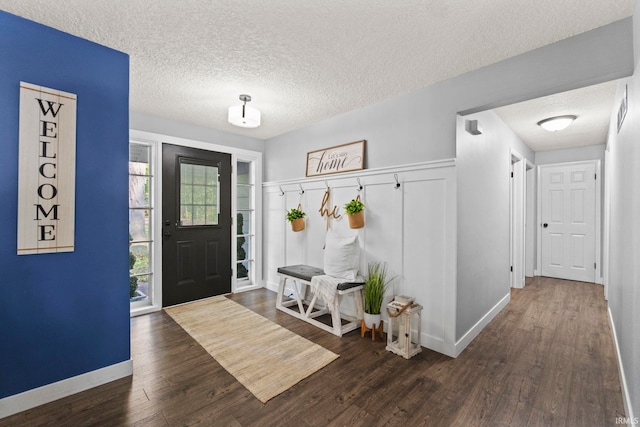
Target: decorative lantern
x,y
400,339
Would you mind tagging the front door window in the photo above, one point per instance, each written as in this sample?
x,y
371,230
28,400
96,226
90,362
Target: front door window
x,y
198,194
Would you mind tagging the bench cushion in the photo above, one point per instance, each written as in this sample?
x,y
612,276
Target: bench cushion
x,y
303,272
348,285
306,272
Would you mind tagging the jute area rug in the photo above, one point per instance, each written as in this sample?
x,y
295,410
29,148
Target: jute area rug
x,y
265,357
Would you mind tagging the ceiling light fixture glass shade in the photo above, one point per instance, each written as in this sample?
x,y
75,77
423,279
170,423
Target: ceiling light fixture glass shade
x,y
244,116
554,124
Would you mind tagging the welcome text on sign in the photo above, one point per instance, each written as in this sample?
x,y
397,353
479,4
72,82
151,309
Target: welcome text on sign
x,y
46,179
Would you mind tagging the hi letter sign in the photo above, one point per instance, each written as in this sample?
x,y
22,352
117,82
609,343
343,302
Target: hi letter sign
x,y
47,170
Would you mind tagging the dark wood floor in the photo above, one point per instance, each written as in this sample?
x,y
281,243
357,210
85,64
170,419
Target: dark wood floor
x,y
546,360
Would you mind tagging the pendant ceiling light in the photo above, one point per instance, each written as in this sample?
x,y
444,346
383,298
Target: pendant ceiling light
x,y
554,124
244,116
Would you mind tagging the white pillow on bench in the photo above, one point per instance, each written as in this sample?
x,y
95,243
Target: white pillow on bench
x,y
341,256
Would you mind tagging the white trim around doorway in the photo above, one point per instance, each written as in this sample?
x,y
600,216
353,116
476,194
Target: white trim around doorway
x,y
237,154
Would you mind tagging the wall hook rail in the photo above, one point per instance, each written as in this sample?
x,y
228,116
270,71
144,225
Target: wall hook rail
x,y
395,176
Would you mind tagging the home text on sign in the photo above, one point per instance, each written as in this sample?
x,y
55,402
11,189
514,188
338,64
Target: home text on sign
x,y
46,183
342,158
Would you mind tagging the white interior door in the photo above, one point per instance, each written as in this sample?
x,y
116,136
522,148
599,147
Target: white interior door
x,y
568,216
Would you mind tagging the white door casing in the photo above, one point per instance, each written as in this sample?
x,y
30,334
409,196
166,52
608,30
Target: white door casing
x,y
518,212
567,225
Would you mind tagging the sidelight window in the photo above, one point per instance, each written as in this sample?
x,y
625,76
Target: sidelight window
x,y
245,233
141,211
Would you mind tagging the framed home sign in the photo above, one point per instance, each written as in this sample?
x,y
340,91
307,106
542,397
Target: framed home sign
x,y
341,158
47,170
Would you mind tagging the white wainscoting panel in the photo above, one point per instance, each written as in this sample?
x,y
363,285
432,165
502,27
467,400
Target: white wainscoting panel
x,y
411,228
317,226
273,232
424,262
382,233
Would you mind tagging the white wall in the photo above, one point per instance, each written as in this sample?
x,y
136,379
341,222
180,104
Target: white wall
x,y
483,165
623,195
411,228
160,125
592,152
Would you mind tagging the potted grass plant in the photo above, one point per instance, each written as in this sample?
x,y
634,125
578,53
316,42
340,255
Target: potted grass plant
x,y
375,286
355,213
296,217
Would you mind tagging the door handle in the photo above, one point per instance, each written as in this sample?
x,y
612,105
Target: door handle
x,y
545,225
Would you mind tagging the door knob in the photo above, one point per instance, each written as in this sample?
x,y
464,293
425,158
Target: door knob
x,y
167,233
545,225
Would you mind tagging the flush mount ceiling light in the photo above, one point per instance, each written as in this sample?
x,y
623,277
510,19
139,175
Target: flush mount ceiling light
x,y
243,116
554,124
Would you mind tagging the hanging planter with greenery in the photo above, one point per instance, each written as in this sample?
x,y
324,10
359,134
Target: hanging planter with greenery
x,y
355,213
296,217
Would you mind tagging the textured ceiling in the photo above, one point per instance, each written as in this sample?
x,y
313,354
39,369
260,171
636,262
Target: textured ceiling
x,y
591,105
304,61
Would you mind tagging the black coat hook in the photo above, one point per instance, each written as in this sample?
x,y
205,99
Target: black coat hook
x,y
395,175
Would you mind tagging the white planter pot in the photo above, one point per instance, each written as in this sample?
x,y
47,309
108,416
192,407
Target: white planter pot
x,y
371,319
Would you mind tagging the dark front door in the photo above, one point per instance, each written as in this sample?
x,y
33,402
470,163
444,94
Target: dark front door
x,y
196,224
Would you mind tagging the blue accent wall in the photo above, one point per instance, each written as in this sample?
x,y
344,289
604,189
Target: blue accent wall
x,y
66,314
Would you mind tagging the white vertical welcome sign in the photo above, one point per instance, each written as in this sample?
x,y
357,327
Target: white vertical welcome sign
x,y
47,170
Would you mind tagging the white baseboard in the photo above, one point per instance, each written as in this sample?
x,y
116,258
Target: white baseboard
x,y
48,393
288,291
463,342
454,349
145,310
437,344
626,397
272,286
